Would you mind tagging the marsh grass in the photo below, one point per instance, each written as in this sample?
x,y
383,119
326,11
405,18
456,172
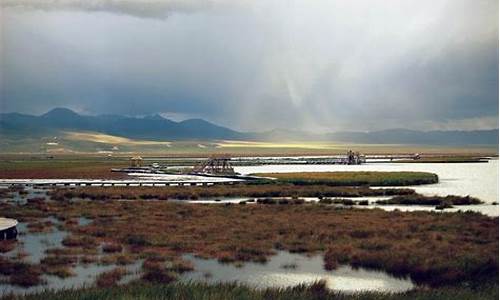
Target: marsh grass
x,y
226,291
156,272
226,191
444,202
19,272
7,245
432,248
110,278
40,226
59,265
112,248
354,178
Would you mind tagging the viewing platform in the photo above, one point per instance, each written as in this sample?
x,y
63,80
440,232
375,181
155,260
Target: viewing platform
x,y
8,230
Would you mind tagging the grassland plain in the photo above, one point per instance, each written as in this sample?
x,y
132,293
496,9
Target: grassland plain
x,y
97,147
354,178
445,159
226,291
88,166
67,167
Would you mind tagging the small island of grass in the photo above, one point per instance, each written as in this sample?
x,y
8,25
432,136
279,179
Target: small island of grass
x,y
444,202
354,178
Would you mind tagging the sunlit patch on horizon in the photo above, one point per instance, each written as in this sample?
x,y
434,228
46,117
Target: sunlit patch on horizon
x,y
110,139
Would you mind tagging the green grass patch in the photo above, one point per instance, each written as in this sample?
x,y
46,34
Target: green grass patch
x,y
354,178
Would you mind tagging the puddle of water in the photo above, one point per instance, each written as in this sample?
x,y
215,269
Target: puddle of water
x,y
85,276
306,270
84,221
35,244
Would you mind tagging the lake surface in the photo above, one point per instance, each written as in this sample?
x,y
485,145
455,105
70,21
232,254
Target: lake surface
x,y
287,269
474,179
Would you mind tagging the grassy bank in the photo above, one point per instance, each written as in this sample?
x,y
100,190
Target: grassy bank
x,y
185,291
445,159
81,168
236,190
430,200
432,248
354,178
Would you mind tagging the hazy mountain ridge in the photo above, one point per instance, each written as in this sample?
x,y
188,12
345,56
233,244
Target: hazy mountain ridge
x,y
155,127
150,127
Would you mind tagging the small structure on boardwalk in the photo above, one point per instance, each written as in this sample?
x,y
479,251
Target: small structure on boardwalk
x,y
8,230
136,161
217,164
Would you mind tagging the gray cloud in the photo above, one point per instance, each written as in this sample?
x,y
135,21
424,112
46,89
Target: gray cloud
x,y
330,65
142,8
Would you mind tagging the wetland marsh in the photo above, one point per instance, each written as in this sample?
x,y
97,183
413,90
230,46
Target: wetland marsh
x,y
304,228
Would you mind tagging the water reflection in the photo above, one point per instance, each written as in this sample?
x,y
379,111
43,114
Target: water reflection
x,y
287,269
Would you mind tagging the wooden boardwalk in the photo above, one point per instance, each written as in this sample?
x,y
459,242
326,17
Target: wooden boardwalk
x,y
93,182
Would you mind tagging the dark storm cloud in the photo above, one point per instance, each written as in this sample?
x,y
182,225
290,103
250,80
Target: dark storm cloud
x,y
329,65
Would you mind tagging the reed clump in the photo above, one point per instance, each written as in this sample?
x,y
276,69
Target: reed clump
x,y
7,245
20,273
156,272
110,278
112,248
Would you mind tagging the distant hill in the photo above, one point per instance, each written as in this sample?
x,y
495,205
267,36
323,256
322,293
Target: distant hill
x,y
155,127
150,127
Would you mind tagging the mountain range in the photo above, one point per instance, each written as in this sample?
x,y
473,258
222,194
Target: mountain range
x,y
156,127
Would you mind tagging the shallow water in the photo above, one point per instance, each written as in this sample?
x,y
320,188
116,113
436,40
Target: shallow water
x,y
475,179
307,270
31,193
35,245
85,276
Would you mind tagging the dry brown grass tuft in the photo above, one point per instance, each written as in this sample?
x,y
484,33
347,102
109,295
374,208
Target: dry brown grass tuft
x,y
110,278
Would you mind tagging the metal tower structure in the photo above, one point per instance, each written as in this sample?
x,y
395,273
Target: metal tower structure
x,y
217,164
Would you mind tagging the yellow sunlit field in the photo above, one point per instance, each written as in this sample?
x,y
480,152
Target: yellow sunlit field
x,y
109,139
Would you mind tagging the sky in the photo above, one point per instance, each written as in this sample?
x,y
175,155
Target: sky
x,y
256,65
